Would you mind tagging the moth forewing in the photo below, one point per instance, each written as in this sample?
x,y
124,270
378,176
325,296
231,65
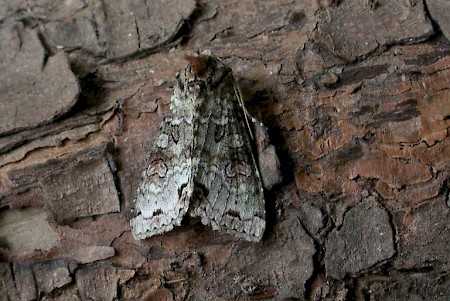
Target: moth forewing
x,y
203,162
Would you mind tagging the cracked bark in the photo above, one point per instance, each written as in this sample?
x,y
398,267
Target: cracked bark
x,y
356,102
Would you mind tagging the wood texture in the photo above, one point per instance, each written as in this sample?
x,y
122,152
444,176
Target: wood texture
x,y
356,99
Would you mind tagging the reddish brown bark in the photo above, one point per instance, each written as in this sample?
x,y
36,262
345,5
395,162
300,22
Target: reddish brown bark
x,y
356,99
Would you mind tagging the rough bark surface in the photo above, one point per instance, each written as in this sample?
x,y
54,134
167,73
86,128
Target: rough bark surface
x,y
356,98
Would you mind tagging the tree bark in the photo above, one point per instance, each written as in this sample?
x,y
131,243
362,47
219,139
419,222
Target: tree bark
x,y
355,96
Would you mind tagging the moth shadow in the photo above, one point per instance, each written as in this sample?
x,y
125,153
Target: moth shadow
x,y
262,105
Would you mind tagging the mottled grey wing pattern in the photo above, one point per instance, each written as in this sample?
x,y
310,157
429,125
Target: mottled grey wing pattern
x,y
202,162
228,193
166,188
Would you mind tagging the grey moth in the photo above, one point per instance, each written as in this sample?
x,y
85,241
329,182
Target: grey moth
x,y
202,164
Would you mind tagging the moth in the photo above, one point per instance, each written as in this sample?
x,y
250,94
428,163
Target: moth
x,y
202,164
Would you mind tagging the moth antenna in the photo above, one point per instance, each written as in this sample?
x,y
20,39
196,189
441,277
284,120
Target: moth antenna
x,y
237,91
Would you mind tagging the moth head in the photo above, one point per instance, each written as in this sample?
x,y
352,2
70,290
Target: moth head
x,y
202,73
